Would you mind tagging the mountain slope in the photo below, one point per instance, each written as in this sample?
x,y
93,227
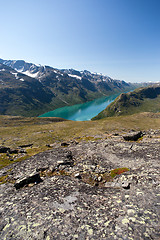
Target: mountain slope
x,y
140,100
22,95
59,87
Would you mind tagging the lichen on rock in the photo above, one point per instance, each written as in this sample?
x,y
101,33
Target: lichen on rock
x,y
78,198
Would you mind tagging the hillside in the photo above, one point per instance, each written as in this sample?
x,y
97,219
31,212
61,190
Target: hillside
x,y
140,100
30,90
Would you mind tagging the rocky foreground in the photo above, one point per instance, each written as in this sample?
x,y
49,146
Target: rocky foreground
x,y
107,188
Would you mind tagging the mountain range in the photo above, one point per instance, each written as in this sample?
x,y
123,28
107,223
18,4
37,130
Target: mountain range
x,y
28,89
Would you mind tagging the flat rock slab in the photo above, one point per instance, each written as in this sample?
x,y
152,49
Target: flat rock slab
x,y
62,206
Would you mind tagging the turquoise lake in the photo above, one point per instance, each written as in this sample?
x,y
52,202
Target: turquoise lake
x,y
82,112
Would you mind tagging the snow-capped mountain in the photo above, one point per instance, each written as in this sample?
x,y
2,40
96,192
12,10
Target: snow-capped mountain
x,y
29,69
64,87
39,71
92,76
21,94
86,73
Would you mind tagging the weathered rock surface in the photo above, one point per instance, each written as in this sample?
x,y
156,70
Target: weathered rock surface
x,y
76,197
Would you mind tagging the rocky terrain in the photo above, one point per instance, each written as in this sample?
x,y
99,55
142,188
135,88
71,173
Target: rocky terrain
x,y
104,188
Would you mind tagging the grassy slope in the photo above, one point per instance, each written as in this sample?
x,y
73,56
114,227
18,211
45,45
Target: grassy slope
x,y
140,100
15,131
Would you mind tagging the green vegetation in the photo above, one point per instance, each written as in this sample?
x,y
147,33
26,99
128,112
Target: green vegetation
x,y
118,171
140,100
40,132
3,179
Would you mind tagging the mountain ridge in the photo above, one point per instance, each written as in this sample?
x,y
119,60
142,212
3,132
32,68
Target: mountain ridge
x,y
64,87
31,69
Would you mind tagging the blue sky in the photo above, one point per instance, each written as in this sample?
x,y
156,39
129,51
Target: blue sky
x,y
119,38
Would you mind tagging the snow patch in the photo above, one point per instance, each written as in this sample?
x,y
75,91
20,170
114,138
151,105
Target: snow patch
x,y
33,75
1,81
58,72
20,70
15,74
2,70
21,79
75,76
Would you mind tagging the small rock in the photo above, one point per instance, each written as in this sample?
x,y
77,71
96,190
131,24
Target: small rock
x,y
69,155
31,184
41,169
93,167
99,179
116,134
125,221
126,185
64,144
60,162
49,145
130,212
95,178
77,175
67,161
22,151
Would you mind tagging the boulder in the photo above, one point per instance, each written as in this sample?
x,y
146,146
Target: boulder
x,y
4,149
133,136
64,144
33,178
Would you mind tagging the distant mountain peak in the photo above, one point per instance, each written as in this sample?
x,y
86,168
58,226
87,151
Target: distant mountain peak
x,y
29,69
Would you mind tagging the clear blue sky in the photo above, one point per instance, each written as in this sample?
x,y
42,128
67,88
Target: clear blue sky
x,y
119,38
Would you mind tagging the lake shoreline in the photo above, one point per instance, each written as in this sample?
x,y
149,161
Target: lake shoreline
x,y
82,112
